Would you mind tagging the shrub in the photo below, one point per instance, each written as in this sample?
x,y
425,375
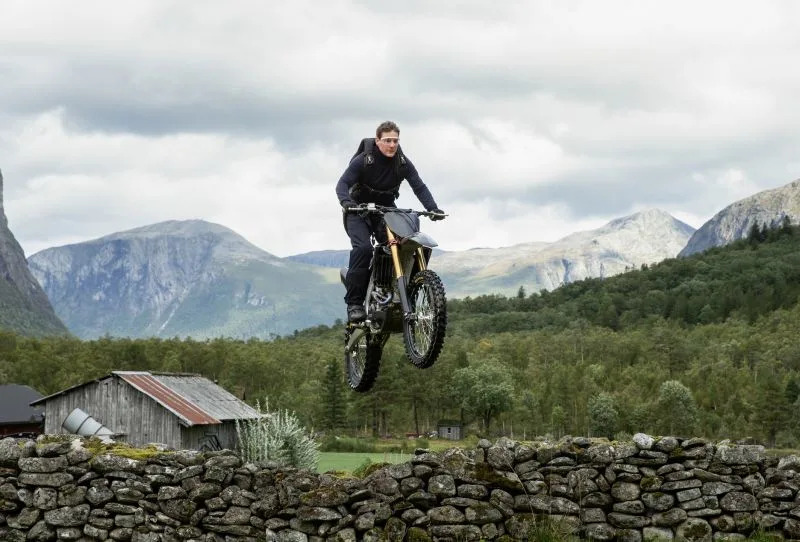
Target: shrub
x,y
279,437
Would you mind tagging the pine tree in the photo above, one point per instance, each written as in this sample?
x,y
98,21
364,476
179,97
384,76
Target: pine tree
x,y
333,397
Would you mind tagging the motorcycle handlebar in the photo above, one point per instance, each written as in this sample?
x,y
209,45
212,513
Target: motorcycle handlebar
x,y
380,209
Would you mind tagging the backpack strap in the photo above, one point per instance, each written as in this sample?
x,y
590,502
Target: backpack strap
x,y
367,146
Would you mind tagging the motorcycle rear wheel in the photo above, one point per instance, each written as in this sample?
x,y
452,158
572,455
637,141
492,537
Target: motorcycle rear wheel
x,y
362,360
424,333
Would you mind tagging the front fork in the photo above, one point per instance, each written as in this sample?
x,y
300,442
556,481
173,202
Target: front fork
x,y
402,286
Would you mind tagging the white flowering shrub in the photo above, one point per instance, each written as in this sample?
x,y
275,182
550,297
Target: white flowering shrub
x,y
279,437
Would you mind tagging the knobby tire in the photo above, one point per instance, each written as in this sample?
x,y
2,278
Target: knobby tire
x,y
362,362
424,335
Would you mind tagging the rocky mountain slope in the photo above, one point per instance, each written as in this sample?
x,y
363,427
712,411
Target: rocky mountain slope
x,y
628,242
183,278
24,307
734,221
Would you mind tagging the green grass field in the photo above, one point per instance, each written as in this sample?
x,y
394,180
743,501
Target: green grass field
x,y
349,461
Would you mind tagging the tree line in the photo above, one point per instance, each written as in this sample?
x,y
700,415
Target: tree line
x,y
705,345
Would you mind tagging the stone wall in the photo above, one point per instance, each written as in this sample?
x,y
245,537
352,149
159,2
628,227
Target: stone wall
x,y
646,489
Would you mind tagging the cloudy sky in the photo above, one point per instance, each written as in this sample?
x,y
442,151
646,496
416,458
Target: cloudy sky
x,y
527,120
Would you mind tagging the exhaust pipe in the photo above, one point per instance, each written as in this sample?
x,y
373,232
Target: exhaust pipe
x,y
80,423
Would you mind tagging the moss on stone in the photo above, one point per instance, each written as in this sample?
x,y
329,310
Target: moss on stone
x,y
415,534
649,482
97,447
677,452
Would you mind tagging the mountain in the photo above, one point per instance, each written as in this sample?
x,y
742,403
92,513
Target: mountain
x,y
324,258
24,307
187,279
734,221
642,238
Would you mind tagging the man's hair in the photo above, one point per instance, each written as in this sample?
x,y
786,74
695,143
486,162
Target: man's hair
x,y
386,126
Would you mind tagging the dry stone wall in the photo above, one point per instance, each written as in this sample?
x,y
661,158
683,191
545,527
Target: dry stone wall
x,y
645,489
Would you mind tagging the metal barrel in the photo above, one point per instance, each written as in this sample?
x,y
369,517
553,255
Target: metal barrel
x,y
80,423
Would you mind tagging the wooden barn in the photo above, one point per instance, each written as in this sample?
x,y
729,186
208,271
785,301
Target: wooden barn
x,y
183,411
17,416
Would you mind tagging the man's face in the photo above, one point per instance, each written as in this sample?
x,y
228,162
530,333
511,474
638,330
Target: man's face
x,y
388,142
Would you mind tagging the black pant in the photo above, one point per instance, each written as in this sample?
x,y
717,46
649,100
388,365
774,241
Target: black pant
x,y
360,228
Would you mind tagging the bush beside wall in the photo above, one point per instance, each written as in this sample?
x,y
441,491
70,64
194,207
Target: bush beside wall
x,y
645,489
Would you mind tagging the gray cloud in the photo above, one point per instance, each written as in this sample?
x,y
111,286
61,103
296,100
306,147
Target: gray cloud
x,y
578,111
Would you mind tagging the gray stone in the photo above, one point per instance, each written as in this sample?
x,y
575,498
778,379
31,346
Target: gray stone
x,y
442,485
719,488
472,491
625,491
546,504
53,479
629,535
10,452
600,531
68,516
456,532
98,495
789,462
25,519
666,444
121,533
41,532
42,464
792,528
627,521
657,534
737,501
689,494
108,463
180,509
642,441
482,513
669,518
601,454
658,501
72,495
740,455
695,529
45,498
500,458
629,507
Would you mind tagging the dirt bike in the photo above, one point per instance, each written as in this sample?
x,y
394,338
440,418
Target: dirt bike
x,y
403,296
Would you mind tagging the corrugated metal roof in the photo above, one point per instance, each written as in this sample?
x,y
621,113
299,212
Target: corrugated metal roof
x,y
212,398
184,408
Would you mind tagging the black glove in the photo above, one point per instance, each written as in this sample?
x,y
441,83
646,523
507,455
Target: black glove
x,y
348,204
439,214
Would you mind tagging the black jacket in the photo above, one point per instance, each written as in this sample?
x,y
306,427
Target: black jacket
x,y
382,175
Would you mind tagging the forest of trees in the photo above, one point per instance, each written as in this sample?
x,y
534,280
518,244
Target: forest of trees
x,y
703,346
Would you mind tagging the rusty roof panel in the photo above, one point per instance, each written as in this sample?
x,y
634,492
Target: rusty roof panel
x,y
210,397
184,408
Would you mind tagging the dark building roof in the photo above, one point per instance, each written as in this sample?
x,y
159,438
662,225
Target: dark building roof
x,y
15,401
192,398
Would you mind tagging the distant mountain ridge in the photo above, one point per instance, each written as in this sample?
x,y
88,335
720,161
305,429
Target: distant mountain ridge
x,y
24,306
735,221
183,278
642,238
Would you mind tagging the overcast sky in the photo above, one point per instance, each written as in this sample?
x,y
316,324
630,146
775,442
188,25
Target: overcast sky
x,y
527,120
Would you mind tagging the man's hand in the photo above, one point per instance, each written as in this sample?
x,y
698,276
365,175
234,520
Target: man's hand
x,y
439,214
348,204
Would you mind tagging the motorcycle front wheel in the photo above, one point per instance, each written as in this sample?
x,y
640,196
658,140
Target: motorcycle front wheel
x,y
424,332
362,360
